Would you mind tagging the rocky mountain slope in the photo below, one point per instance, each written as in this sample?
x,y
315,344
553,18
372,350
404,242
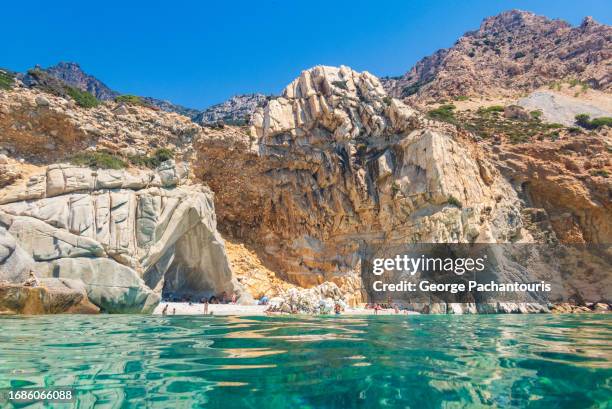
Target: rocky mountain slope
x,y
235,111
513,52
71,74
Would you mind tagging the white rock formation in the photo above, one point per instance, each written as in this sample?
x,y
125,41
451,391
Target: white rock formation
x,y
126,236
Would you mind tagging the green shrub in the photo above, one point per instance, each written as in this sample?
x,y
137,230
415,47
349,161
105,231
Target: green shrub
x,y
453,201
585,121
82,98
340,84
518,55
410,90
602,121
491,109
537,115
159,156
600,172
443,113
101,160
461,98
387,100
7,79
130,100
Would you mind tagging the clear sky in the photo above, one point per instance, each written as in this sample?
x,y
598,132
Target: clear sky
x,y
198,53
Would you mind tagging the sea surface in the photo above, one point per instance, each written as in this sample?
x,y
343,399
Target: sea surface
x,y
429,361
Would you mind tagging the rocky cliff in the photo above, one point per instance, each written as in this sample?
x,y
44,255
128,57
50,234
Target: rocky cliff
x,y
126,236
513,52
334,165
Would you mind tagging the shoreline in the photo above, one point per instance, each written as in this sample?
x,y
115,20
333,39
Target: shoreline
x,y
184,308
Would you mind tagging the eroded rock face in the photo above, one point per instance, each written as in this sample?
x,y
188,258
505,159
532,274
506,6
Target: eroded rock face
x,y
567,180
334,164
127,236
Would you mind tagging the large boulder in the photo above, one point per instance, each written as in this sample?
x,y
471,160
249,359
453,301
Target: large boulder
x,y
15,262
51,296
126,235
113,287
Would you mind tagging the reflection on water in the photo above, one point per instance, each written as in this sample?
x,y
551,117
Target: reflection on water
x,y
284,362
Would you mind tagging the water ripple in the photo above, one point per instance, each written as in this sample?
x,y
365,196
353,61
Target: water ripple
x,y
285,362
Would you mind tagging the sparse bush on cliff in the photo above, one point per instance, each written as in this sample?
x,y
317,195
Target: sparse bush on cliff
x,y
340,84
445,113
537,114
130,100
491,109
101,160
159,156
600,172
585,121
7,79
82,98
453,201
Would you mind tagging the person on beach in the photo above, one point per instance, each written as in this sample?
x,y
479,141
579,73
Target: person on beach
x,y
173,311
213,300
233,298
32,281
165,310
205,307
376,308
224,298
263,300
337,309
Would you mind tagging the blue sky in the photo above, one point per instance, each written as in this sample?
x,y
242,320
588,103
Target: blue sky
x,y
199,53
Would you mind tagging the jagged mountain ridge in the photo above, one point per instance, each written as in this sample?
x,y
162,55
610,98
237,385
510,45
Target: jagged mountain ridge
x,y
513,51
72,74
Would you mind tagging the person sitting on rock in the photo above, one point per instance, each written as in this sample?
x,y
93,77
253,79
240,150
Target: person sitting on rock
x,y
213,300
32,281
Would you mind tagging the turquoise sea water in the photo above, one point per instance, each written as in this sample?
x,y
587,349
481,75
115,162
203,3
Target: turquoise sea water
x,y
125,361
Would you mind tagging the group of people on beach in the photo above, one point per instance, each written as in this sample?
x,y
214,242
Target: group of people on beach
x,y
224,298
